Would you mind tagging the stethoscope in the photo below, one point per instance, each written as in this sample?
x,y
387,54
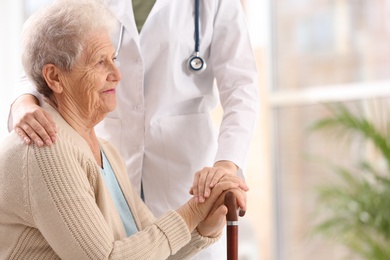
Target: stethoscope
x,y
195,63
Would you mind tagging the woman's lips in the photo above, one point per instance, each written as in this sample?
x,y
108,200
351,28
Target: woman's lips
x,y
109,91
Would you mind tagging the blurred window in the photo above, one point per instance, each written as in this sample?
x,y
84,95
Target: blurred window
x,y
322,51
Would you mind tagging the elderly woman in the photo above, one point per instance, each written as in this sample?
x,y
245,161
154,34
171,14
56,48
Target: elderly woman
x,y
73,200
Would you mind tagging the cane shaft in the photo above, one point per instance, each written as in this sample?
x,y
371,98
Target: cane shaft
x,y
231,227
232,242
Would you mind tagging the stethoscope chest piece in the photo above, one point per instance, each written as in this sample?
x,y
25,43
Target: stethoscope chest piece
x,y
196,64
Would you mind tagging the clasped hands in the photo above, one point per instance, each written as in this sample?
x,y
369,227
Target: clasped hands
x,y
209,188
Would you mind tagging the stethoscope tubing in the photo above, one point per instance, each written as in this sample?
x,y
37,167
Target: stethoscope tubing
x,y
120,40
196,26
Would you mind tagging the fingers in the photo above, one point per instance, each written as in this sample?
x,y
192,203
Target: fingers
x,y
239,194
202,211
49,125
219,189
217,218
204,181
225,183
241,198
36,125
22,134
198,186
242,184
214,223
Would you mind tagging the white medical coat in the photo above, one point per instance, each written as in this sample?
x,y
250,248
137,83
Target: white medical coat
x,y
162,125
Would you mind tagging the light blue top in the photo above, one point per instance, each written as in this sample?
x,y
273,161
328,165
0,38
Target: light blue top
x,y
118,198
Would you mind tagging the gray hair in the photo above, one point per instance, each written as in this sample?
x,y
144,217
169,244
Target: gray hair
x,y
55,35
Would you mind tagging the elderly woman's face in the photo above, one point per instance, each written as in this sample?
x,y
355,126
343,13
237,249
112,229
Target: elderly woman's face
x,y
92,81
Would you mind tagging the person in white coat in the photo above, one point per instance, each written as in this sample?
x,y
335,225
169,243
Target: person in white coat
x,y
162,123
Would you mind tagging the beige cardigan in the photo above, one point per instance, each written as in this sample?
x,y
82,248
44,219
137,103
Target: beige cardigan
x,y
54,204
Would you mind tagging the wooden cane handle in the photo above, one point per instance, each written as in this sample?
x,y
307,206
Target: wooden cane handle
x,y
231,204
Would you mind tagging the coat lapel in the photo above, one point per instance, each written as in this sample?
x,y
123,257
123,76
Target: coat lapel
x,y
157,7
123,11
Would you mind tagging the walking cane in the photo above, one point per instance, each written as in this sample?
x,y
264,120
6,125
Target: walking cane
x,y
231,226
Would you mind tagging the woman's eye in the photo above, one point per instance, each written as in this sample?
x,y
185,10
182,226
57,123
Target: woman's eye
x,y
115,61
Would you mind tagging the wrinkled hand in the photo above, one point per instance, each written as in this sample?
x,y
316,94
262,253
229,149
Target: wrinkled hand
x,y
32,123
194,212
214,223
208,177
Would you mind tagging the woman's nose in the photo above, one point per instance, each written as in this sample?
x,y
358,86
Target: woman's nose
x,y
115,74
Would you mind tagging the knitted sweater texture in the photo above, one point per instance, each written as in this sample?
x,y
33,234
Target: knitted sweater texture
x,y
54,205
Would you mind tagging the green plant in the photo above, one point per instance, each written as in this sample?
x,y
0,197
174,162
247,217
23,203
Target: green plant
x,y
356,208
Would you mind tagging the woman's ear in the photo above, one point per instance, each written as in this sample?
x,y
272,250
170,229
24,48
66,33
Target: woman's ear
x,y
51,73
